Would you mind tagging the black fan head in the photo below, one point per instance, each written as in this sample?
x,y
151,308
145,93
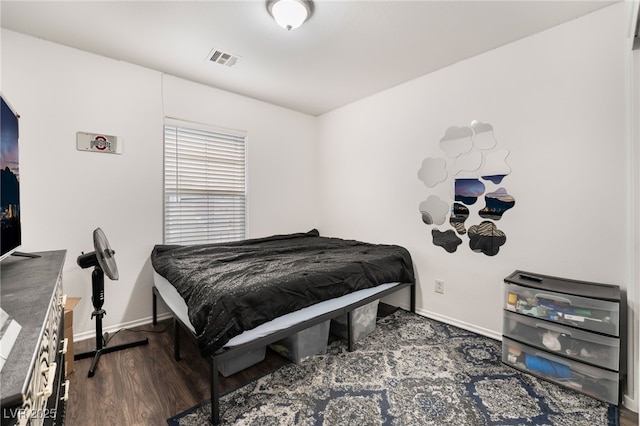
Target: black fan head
x,y
104,253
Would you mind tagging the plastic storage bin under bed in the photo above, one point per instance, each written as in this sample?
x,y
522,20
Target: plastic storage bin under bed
x,y
363,322
304,344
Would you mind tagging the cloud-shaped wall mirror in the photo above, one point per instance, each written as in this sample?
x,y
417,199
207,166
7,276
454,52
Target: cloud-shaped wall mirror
x,y
434,210
495,164
448,240
486,238
459,215
496,203
433,171
457,141
468,190
483,137
467,162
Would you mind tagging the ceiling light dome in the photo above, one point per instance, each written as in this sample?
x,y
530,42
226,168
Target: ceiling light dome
x,y
290,14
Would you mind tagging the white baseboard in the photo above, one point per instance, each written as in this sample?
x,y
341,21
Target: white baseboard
x,y
457,323
112,329
461,324
631,404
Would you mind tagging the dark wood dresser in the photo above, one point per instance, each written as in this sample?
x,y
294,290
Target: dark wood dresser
x,y
34,390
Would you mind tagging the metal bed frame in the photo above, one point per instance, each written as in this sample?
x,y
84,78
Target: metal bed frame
x,y
228,353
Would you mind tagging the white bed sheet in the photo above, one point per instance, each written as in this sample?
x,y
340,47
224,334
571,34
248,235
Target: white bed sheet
x,y
177,304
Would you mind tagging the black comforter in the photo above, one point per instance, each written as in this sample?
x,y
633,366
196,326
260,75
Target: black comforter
x,y
233,287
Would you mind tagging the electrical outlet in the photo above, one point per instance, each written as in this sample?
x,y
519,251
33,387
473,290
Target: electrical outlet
x,y
439,286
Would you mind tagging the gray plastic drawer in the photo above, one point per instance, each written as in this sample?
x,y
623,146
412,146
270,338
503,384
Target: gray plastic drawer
x,y
593,381
589,314
596,349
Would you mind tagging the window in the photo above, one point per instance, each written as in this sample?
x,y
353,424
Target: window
x,y
204,184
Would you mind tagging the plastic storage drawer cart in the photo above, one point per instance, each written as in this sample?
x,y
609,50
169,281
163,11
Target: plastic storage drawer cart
x,y
566,331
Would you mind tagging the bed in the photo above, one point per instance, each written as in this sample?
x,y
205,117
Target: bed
x,y
235,297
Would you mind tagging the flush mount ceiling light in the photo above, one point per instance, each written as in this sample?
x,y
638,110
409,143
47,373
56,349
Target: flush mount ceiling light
x,y
290,14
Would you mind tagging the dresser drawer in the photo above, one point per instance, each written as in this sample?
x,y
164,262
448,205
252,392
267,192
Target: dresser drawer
x,y
596,349
600,316
598,383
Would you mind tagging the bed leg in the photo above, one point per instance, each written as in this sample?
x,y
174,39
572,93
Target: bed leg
x,y
350,342
155,308
215,395
413,298
176,339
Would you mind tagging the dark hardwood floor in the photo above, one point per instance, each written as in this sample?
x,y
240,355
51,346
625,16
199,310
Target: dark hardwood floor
x,y
144,385
628,417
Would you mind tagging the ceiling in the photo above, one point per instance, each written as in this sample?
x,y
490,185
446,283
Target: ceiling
x,y
346,51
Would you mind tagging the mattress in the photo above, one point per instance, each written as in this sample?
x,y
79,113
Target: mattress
x,y
177,304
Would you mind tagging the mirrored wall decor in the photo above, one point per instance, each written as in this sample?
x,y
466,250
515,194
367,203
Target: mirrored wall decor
x,y
473,166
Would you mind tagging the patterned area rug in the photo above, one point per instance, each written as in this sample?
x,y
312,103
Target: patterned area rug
x,y
410,371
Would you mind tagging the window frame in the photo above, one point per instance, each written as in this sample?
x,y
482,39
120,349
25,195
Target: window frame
x,y
218,134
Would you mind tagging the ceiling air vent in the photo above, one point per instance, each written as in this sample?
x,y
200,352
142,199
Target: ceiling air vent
x,y
223,58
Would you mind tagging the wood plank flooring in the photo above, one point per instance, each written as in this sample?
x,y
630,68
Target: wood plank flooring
x,y
145,386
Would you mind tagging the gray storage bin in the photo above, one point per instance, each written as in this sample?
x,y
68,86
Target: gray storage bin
x,y
304,344
242,361
363,322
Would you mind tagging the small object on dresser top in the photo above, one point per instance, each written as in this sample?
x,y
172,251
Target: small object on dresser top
x,y
9,330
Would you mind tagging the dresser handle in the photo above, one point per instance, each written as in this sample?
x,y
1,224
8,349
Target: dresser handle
x,y
65,344
66,391
63,300
48,390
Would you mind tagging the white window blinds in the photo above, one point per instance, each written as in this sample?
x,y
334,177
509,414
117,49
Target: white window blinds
x,y
204,184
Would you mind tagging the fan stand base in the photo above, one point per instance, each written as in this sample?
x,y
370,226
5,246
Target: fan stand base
x,y
97,353
97,284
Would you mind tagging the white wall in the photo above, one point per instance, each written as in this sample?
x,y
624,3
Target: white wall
x,y
557,101
66,194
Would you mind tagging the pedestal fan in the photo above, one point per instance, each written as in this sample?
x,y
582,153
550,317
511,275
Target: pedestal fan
x,y
104,263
